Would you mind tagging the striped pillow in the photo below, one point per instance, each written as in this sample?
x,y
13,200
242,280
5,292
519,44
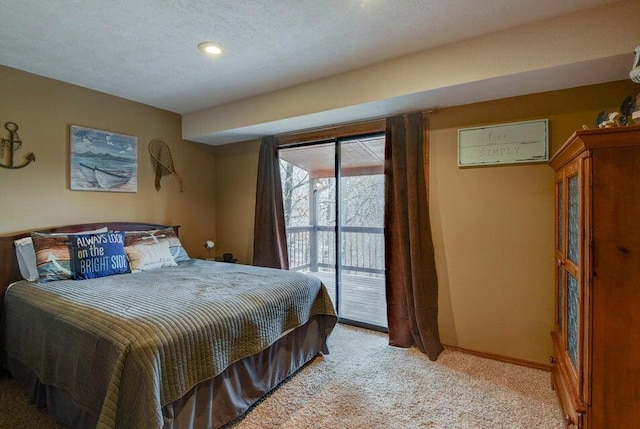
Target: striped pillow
x,y
137,238
53,255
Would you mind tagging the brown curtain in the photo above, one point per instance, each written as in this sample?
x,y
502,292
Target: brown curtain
x,y
412,283
269,234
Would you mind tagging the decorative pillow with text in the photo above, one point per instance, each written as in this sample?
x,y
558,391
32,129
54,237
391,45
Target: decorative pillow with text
x,y
98,255
150,257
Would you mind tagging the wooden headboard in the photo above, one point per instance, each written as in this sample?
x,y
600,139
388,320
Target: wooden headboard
x,y
9,271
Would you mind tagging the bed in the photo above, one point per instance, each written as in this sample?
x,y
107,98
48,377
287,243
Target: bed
x,y
191,344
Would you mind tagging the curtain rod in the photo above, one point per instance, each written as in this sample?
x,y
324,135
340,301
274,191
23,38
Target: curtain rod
x,y
332,132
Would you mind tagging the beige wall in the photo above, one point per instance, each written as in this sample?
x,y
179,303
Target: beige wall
x,y
236,175
38,195
493,227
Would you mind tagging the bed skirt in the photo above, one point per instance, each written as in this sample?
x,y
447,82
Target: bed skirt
x,y
212,403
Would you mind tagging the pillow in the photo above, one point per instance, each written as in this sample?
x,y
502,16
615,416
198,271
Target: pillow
x,y
27,255
98,255
147,257
52,256
26,258
154,236
53,259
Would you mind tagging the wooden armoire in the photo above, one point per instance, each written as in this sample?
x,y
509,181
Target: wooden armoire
x,y
596,342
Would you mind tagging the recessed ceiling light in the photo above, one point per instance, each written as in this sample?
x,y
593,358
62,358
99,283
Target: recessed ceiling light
x,y
209,48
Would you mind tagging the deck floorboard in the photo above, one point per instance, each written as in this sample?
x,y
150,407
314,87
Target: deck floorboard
x,y
362,298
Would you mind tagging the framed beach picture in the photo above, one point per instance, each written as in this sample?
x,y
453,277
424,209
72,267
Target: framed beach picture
x,y
103,161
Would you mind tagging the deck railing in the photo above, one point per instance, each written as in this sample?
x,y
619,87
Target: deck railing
x,y
313,248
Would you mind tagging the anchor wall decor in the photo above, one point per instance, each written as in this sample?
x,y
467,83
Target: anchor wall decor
x,y
12,144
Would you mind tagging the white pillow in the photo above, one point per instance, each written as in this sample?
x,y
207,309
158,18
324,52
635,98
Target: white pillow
x,y
27,255
26,258
150,256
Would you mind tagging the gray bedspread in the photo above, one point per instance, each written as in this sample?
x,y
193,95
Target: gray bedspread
x,y
124,346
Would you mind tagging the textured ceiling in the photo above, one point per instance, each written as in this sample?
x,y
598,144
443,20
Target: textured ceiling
x,y
146,50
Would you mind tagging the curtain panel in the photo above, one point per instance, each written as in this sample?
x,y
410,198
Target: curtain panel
x,y
269,236
412,282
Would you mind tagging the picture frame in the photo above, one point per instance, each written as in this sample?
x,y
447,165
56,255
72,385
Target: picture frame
x,y
102,161
525,142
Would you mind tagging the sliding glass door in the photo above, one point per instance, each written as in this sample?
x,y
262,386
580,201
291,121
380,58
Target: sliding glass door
x,y
333,193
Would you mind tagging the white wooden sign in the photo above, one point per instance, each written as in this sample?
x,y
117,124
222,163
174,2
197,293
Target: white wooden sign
x,y
512,143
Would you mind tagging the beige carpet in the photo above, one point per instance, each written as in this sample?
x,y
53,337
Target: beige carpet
x,y
364,383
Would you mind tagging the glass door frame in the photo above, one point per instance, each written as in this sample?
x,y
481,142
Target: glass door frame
x,y
337,142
